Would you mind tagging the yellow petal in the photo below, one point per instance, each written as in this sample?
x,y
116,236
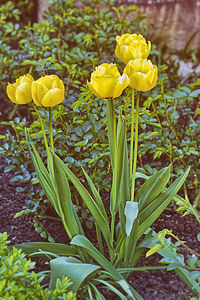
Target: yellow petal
x,y
23,93
53,97
46,81
104,86
57,83
34,93
38,91
122,83
30,77
139,82
93,90
152,76
11,92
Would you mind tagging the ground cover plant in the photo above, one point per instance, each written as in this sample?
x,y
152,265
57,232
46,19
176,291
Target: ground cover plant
x,y
135,211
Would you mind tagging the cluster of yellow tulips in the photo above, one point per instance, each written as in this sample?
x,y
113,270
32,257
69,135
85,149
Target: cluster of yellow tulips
x,y
139,73
106,81
47,91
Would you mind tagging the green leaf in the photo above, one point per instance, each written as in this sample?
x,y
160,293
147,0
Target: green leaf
x,y
72,268
151,212
154,250
66,208
29,62
152,187
45,179
82,241
112,288
89,201
197,111
131,213
195,93
81,143
56,248
95,193
118,168
124,186
130,244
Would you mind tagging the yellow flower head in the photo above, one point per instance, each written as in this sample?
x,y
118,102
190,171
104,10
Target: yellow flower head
x,y
132,46
142,73
48,91
107,82
20,91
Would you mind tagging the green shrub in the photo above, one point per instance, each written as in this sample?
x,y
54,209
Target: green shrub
x,y
18,281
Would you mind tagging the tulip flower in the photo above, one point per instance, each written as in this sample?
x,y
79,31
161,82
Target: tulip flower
x,y
20,91
132,46
48,91
107,82
142,73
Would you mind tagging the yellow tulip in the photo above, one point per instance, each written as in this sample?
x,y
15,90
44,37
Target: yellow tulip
x,y
48,91
132,46
20,91
142,73
107,82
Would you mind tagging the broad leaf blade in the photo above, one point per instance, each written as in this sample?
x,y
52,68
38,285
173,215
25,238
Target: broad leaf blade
x,y
67,211
118,168
72,268
148,216
82,241
45,181
88,200
152,187
96,194
112,288
56,248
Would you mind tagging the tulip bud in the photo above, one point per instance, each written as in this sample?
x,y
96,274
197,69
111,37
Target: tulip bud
x,y
132,46
106,81
142,73
48,91
20,91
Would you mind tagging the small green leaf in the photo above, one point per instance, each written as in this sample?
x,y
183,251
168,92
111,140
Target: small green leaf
x,y
154,250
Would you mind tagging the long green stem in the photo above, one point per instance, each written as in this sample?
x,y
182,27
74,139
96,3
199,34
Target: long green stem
x,y
45,140
135,147
50,129
132,134
114,171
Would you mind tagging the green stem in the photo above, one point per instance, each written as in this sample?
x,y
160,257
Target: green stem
x,y
45,141
114,171
50,129
136,147
132,134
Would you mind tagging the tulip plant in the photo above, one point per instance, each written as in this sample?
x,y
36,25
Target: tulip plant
x,y
132,213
